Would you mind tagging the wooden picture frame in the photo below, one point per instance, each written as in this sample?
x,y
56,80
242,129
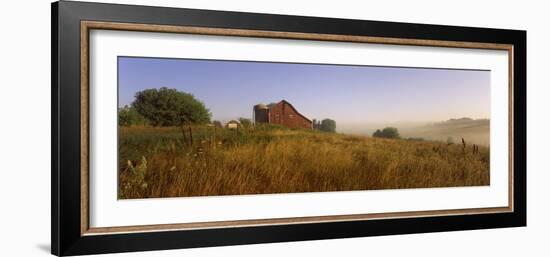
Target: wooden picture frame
x,y
71,25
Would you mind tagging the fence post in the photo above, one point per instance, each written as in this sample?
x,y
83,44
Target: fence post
x,y
183,133
190,135
213,139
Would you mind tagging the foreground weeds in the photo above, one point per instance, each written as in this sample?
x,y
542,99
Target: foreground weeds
x,y
201,161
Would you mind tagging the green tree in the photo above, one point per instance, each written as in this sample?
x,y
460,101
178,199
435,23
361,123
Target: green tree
x,y
387,132
327,125
170,107
128,116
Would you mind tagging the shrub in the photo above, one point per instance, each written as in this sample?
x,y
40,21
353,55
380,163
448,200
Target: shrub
x,y
387,132
326,125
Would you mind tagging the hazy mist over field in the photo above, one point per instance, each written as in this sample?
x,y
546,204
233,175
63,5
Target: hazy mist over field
x,y
473,130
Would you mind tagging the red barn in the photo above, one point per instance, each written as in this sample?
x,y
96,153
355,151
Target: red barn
x,y
282,113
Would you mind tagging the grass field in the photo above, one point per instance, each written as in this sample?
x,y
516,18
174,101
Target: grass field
x,y
161,162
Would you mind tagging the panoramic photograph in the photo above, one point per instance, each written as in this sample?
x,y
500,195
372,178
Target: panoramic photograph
x,y
190,127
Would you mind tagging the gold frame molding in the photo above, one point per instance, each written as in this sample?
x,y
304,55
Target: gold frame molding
x,y
86,26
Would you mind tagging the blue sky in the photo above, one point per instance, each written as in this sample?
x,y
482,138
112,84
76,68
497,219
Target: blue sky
x,y
350,95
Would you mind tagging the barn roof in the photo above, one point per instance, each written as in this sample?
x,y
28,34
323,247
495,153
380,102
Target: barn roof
x,y
291,106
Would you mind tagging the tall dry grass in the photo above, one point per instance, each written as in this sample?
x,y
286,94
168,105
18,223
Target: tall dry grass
x,y
157,162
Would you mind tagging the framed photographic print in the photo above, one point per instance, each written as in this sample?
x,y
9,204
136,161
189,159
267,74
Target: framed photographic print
x,y
178,128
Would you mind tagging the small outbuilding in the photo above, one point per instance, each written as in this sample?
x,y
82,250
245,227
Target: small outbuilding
x,y
233,124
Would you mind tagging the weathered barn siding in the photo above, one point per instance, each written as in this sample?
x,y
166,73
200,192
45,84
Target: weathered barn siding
x,y
283,113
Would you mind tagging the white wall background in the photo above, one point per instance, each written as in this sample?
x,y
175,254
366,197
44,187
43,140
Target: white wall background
x,y
25,127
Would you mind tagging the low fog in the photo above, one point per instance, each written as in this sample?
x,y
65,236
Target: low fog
x,y
474,131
